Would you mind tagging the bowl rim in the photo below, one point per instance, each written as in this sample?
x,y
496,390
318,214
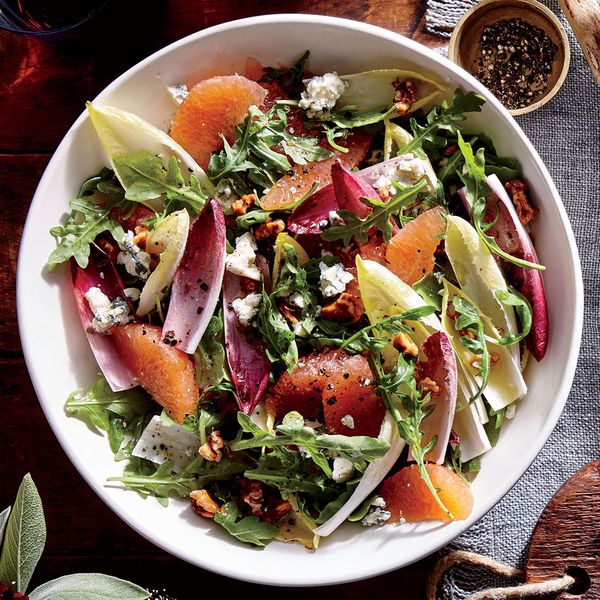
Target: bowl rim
x,y
358,572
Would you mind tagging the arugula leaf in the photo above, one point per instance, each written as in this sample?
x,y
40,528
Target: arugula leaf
x,y
446,117
24,538
478,192
247,529
145,178
523,310
400,384
280,339
85,223
292,431
471,329
123,415
209,357
252,152
164,482
357,227
289,78
493,426
290,473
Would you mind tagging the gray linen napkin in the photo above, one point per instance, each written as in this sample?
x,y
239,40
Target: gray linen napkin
x,y
566,133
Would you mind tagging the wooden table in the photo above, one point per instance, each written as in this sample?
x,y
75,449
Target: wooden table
x,y
43,87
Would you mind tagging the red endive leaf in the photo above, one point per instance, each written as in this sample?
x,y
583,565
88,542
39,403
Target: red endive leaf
x,y
101,273
246,354
313,214
197,281
349,188
512,237
440,369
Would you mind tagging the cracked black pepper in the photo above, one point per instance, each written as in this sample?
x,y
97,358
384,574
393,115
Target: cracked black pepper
x,y
515,62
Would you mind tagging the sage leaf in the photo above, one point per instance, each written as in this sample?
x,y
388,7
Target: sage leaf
x,y
25,537
3,520
89,586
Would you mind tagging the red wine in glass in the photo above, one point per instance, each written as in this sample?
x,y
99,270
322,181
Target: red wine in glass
x,y
46,16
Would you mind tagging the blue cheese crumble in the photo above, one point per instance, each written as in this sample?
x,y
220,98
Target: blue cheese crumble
x,y
333,279
247,308
107,314
178,92
242,261
321,95
135,260
342,469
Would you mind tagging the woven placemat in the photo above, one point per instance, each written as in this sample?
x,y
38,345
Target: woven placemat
x,y
566,133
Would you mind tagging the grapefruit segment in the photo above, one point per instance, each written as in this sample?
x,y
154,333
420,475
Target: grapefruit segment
x,y
407,496
164,371
410,253
292,186
350,404
213,107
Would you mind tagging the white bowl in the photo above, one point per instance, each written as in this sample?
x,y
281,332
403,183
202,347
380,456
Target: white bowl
x,y
60,361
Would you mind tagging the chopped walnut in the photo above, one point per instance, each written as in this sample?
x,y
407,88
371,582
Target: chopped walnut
x,y
111,250
277,512
429,385
262,502
203,504
241,205
406,94
405,345
466,333
212,449
517,189
269,229
141,235
346,308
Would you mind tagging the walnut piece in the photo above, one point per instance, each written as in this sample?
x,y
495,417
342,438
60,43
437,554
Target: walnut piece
x,y
203,504
429,385
212,449
405,345
346,308
269,229
517,189
241,205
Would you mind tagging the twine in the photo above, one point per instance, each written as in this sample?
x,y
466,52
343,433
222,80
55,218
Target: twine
x,y
527,590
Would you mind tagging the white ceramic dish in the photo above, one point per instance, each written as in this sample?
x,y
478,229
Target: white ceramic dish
x,y
59,359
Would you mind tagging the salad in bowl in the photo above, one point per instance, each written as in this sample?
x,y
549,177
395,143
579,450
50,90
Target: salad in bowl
x,y
311,298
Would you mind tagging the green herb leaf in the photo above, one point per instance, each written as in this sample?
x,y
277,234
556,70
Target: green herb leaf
x,y
24,538
471,328
289,78
247,529
123,415
379,217
474,180
145,178
164,482
523,310
89,586
252,153
3,521
85,223
446,117
209,358
493,426
292,431
280,339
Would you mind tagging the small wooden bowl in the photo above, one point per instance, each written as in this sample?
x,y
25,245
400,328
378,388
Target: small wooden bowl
x,y
464,43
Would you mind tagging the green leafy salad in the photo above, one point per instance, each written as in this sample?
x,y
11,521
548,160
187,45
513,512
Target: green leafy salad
x,y
311,301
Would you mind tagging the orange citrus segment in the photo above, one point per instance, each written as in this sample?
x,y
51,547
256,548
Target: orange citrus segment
x,y
407,496
213,107
164,371
294,185
410,253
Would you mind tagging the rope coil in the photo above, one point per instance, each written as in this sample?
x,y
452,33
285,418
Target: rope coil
x,y
526,590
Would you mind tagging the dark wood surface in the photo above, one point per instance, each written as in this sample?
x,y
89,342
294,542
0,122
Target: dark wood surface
x,y
43,87
567,535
